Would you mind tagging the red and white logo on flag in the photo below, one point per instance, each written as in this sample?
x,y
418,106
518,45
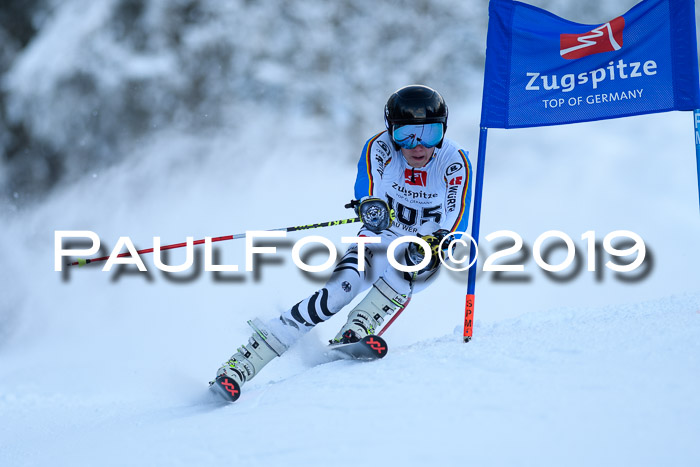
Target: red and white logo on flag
x,y
605,38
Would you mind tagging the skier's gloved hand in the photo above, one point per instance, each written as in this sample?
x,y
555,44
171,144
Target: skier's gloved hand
x,y
416,252
374,213
439,235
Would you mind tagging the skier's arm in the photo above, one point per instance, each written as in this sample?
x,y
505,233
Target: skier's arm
x,y
458,176
366,173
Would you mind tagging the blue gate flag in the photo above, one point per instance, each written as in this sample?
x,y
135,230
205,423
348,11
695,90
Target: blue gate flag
x,y
544,70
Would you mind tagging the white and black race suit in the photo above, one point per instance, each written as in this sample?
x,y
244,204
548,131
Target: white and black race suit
x,y
437,195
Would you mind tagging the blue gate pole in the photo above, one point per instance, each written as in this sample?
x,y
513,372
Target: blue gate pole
x,y
476,221
696,117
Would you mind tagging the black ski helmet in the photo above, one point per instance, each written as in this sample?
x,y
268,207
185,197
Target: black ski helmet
x,y
414,105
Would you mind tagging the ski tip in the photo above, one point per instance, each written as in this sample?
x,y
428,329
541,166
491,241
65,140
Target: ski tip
x,y
227,388
377,344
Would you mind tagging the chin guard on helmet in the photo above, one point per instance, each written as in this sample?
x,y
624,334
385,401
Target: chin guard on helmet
x,y
374,213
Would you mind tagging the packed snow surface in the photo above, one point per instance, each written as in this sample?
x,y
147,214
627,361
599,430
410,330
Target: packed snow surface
x,y
575,368
112,367
598,386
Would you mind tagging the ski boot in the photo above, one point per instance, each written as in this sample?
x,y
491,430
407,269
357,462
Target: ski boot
x,y
369,314
263,346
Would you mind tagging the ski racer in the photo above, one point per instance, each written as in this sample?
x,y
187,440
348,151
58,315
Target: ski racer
x,y
411,180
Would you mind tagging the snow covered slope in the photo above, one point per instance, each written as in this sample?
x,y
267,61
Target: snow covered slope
x,y
602,386
112,368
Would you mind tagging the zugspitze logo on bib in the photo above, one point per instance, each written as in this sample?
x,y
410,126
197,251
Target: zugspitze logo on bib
x,y
605,38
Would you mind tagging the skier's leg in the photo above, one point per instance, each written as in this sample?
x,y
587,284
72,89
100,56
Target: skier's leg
x,y
381,300
369,314
272,338
346,282
390,293
249,359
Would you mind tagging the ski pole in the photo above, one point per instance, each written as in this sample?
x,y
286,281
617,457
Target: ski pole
x,y
83,262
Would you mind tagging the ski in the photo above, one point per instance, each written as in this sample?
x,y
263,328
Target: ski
x,y
369,348
226,388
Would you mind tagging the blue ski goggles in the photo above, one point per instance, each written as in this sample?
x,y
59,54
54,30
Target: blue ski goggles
x,y
410,136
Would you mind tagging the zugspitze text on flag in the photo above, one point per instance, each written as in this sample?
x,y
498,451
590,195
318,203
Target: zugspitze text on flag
x,y
545,70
